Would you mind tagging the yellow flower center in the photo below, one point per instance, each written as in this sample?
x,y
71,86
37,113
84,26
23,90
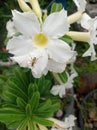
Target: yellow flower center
x,y
40,40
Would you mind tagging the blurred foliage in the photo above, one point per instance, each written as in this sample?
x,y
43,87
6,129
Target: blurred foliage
x,y
5,14
70,4
23,99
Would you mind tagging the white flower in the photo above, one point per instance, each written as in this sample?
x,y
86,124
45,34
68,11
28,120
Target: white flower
x,y
84,21
67,124
91,52
58,90
39,47
93,30
69,121
91,26
81,4
61,89
11,30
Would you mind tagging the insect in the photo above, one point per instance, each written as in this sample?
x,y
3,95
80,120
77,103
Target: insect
x,y
33,61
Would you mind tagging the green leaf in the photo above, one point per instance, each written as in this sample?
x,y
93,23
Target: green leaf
x,y
44,114
9,97
47,110
43,106
9,105
42,121
34,102
23,124
54,107
30,125
21,78
12,125
48,106
63,77
20,84
56,7
2,84
67,39
28,110
11,115
10,110
21,103
16,90
44,85
31,89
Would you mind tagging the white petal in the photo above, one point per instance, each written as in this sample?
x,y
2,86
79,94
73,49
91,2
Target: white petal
x,y
59,51
81,4
21,60
56,24
41,63
26,23
10,28
20,46
55,66
58,90
93,30
85,21
87,53
91,52
70,121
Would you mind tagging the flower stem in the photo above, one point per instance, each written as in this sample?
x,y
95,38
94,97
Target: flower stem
x,y
75,17
79,36
57,78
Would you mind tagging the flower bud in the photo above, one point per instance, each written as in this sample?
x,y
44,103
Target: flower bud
x,y
36,8
24,7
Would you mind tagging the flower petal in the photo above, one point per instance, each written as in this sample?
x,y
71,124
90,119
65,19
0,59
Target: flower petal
x,y
41,63
38,66
59,51
91,52
26,23
56,24
93,30
85,21
58,90
20,46
10,29
21,60
55,66
81,4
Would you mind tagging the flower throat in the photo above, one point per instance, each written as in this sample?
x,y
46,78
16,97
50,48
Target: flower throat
x,y
40,40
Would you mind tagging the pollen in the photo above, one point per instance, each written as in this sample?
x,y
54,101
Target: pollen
x,y
40,40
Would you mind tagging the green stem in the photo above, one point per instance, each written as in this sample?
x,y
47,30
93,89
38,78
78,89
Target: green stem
x,y
57,78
